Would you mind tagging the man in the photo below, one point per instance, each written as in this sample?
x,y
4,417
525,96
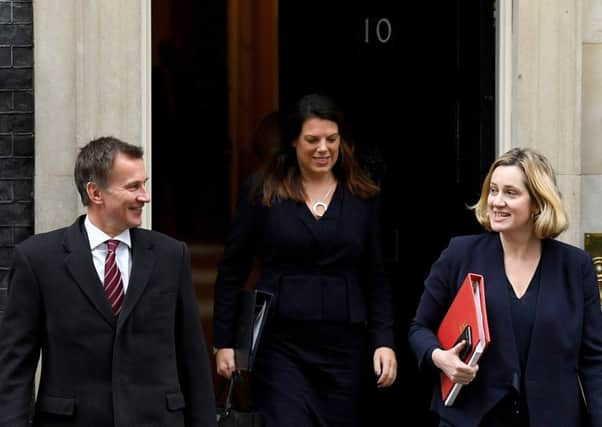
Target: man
x,y
112,309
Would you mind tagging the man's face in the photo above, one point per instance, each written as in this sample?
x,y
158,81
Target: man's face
x,y
125,195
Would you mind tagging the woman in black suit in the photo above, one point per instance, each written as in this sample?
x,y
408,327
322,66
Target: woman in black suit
x,y
313,220
543,366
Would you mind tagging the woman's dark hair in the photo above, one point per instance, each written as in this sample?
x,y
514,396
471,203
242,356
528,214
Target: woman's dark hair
x,y
282,179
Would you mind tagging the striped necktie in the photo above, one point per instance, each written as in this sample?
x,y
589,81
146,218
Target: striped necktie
x,y
113,284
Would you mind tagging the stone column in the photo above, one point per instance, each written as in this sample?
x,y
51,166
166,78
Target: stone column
x,y
547,93
92,78
591,202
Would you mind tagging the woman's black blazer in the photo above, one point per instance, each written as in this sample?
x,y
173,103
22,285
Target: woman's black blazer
x,y
329,269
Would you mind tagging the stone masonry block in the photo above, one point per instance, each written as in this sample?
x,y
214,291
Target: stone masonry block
x,y
19,167
6,145
5,56
16,34
23,122
17,148
23,56
5,15
16,214
23,145
23,190
6,101
6,123
23,101
22,13
6,236
6,191
21,78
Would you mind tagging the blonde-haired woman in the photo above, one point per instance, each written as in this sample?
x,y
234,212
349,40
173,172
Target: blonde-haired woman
x,y
543,366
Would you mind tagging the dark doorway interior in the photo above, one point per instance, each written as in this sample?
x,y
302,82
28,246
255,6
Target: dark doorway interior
x,y
189,120
190,146
417,81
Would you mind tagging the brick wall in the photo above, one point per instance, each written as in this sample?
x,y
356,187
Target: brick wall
x,y
16,130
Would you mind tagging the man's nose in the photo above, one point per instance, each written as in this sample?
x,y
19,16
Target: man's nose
x,y
144,195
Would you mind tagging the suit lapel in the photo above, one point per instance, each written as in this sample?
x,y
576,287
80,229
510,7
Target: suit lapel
x,y
303,214
335,206
143,260
335,222
78,261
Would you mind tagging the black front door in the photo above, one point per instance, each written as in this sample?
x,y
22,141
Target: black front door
x,y
417,82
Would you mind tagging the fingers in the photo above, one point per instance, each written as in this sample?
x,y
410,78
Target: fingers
x,y
464,375
225,371
385,366
458,347
388,375
377,364
224,361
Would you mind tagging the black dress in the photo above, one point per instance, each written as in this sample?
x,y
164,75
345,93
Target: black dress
x,y
332,301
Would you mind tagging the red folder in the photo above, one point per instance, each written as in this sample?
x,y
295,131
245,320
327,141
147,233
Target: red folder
x,y
466,319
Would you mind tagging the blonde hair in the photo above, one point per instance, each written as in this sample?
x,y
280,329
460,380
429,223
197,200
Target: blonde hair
x,y
540,181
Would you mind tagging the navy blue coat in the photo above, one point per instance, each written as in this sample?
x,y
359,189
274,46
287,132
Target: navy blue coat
x,y
566,342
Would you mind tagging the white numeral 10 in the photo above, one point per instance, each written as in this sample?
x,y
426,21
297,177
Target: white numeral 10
x,y
382,30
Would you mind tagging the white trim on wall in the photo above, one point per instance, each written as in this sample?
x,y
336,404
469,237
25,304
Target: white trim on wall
x,y
503,75
146,98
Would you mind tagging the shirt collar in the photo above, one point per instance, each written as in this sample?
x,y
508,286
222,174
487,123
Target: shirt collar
x,y
97,237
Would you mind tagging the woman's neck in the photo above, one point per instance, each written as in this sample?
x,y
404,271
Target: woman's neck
x,y
319,180
520,246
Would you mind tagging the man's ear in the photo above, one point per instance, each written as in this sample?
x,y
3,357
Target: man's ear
x,y
94,193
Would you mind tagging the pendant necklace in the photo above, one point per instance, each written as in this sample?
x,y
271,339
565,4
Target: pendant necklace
x,y
322,204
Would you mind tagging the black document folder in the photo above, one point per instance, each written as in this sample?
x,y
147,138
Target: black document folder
x,y
254,307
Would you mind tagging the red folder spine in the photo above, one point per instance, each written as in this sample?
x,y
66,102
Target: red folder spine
x,y
465,310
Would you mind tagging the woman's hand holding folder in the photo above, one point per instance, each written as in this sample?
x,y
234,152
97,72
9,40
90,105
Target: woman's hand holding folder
x,y
453,366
